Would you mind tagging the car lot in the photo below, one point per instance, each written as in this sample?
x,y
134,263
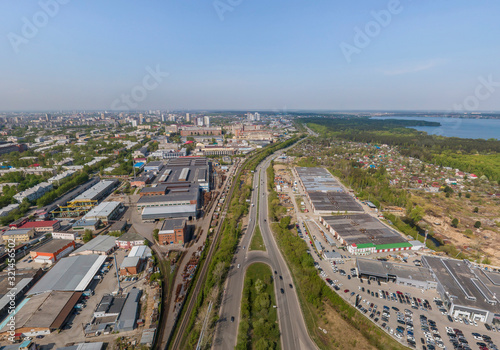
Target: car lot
x,y
409,314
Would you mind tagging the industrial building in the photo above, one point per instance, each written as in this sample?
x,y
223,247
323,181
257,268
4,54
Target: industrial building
x,y
102,244
172,197
324,203
325,193
129,240
98,191
131,265
179,211
24,280
402,274
157,190
104,212
41,314
119,312
195,170
42,226
71,274
468,291
143,180
84,346
179,200
153,167
18,235
64,235
52,251
317,179
83,224
173,231
363,234
143,252
88,199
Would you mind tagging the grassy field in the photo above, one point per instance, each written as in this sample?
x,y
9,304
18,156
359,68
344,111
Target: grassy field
x,y
258,327
257,242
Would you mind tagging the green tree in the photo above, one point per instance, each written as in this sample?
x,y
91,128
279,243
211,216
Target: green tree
x,y
467,195
285,222
416,214
87,236
454,222
155,234
477,224
476,210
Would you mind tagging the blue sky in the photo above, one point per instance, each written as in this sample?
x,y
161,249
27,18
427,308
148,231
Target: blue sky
x,y
430,55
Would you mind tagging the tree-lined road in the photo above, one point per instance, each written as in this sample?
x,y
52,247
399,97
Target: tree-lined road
x,y
292,326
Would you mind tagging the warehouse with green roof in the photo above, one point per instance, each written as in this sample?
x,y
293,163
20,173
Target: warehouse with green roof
x,y
362,234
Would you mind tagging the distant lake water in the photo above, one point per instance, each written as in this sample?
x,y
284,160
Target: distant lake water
x,y
466,128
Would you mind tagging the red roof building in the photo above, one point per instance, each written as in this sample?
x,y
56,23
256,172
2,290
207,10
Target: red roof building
x,y
43,226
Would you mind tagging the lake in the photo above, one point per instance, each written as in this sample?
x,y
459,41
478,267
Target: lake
x,y
466,128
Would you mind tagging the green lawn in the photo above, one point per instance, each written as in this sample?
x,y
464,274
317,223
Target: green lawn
x,y
257,242
258,327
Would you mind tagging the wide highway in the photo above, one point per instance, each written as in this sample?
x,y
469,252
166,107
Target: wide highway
x,y
292,326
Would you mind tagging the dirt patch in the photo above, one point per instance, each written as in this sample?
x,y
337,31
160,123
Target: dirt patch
x,y
340,334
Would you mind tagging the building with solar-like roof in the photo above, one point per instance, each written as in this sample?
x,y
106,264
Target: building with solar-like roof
x,y
325,193
362,234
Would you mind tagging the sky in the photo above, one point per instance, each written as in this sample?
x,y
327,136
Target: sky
x,y
250,55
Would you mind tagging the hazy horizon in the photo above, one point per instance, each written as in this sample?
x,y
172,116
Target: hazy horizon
x,y
250,55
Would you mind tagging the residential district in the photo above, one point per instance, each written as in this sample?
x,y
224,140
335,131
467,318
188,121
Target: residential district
x,y
106,217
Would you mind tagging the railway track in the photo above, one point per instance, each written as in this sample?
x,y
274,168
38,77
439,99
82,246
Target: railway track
x,y
176,343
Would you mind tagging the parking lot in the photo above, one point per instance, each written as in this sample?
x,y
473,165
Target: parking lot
x,y
415,317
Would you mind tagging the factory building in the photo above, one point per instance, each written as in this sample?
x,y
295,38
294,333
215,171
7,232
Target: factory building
x,y
42,226
41,314
363,234
102,245
104,212
195,170
71,274
401,274
129,240
18,235
52,251
468,291
173,231
64,235
98,191
153,167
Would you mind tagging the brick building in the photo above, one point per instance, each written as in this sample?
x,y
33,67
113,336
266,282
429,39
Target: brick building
x,y
173,231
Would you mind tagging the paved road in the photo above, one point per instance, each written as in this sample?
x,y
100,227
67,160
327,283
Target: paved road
x,y
292,326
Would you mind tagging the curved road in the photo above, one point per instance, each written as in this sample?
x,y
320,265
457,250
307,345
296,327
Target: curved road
x,y
292,326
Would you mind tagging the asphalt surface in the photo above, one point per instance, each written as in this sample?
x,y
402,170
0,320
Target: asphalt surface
x,y
292,326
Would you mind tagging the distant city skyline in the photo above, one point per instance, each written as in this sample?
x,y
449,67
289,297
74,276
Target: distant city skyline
x,y
250,56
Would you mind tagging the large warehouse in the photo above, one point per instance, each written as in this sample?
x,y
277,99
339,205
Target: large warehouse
x,y
52,251
41,314
102,245
325,193
468,290
179,200
324,203
195,170
98,191
71,274
402,274
363,234
317,179
104,212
